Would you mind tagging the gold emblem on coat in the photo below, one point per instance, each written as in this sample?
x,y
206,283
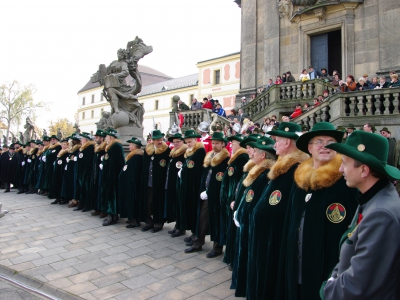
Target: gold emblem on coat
x,y
190,164
275,197
106,156
231,170
163,163
33,156
219,176
72,157
178,164
125,167
250,196
336,212
80,155
361,147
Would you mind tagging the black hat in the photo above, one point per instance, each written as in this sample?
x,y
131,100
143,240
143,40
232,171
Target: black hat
x,y
175,136
100,132
46,138
135,141
12,147
19,143
85,135
53,137
5,146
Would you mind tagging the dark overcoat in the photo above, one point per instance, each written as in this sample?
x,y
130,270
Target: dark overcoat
x,y
84,174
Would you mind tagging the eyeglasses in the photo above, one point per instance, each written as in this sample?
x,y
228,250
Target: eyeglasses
x,y
321,143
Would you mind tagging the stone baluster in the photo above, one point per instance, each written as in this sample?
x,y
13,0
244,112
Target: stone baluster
x,y
325,114
282,91
386,103
298,91
289,91
352,106
318,116
311,90
396,97
311,121
304,88
368,105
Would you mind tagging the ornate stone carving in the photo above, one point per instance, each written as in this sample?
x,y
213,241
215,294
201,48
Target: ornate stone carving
x,y
320,13
105,121
284,7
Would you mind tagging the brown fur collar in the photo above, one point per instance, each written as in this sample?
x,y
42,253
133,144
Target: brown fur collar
x,y
217,159
134,152
101,147
307,177
74,148
33,151
45,148
150,149
24,151
177,152
19,150
236,154
190,152
112,143
257,170
55,145
88,143
284,163
248,166
62,152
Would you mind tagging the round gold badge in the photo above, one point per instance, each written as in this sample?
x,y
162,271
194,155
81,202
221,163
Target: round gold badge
x,y
263,143
178,164
250,196
275,197
163,163
336,212
106,156
361,147
219,176
287,129
80,155
190,164
231,170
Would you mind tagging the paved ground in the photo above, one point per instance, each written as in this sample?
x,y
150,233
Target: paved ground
x,y
10,291
71,251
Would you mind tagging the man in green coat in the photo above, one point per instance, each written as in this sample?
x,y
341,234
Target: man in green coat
x,y
59,171
50,159
42,179
112,165
99,152
69,184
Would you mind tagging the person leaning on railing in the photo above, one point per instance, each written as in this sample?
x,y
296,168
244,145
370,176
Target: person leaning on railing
x,y
349,85
395,81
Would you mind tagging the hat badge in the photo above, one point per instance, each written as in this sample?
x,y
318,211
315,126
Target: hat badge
x,y
361,147
287,129
263,143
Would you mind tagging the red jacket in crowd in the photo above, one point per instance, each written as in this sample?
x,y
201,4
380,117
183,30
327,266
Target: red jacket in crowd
x,y
297,112
208,105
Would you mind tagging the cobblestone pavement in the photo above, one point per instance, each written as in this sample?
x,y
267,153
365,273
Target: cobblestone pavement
x,y
72,252
9,291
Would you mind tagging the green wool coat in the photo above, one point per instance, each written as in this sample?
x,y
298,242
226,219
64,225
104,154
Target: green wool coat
x,y
42,179
216,166
129,185
18,177
59,171
328,205
189,187
31,172
232,176
113,162
69,179
266,228
160,165
51,157
84,174
255,182
98,157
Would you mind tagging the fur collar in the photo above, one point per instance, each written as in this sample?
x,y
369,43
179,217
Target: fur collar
x,y
177,152
101,147
217,159
54,146
307,177
257,170
150,149
134,152
236,154
74,148
19,150
45,148
62,152
24,151
88,143
33,151
284,163
190,152
248,166
112,143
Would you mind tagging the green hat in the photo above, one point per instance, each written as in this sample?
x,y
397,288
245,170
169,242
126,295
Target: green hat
x,y
85,135
64,141
287,130
304,127
28,144
54,137
385,129
46,138
191,134
263,143
136,141
111,132
321,128
39,142
250,138
100,132
370,149
157,134
74,136
351,126
219,136
33,141
6,146
236,137
12,147
19,143
175,136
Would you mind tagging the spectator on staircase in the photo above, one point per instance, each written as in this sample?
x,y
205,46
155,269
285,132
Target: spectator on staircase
x,y
349,85
382,83
362,85
297,112
395,81
278,80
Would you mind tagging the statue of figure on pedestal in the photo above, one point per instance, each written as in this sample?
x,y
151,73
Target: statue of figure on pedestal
x,y
44,132
59,134
77,129
105,121
30,130
21,137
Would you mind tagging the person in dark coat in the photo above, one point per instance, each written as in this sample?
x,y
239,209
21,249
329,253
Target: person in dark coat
x,y
263,158
112,165
59,171
3,166
99,152
268,216
38,165
31,171
321,209
42,179
84,173
19,152
50,159
24,163
171,193
208,221
189,184
129,184
9,163
71,168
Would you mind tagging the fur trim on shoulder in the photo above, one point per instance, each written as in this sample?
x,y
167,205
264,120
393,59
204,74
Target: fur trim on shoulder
x,y
40,152
55,145
307,177
190,152
257,170
74,148
101,147
150,149
134,152
284,163
217,159
248,166
162,149
177,152
236,154
88,143
45,148
33,151
62,152
19,150
112,143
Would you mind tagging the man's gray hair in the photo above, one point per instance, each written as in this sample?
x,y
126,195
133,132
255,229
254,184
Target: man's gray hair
x,y
268,155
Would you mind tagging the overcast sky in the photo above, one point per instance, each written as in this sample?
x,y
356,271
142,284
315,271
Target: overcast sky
x,y
58,45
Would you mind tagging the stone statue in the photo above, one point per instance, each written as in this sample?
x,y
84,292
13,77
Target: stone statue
x,y
105,121
14,138
126,112
30,130
175,129
21,137
44,132
59,134
284,8
77,129
5,140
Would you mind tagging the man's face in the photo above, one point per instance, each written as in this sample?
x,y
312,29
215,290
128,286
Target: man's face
x,y
217,146
190,142
194,100
280,145
235,146
285,119
323,72
350,130
318,151
53,141
311,69
33,145
98,139
46,143
177,143
209,97
326,95
157,142
385,133
64,145
240,111
320,98
40,146
258,156
367,128
108,139
351,174
250,151
132,146
12,151
270,81
83,140
17,147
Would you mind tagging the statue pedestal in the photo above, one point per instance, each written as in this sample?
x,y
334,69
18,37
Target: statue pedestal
x,y
127,132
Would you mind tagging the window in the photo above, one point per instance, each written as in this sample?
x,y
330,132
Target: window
x,y
92,114
83,115
216,76
101,97
156,105
83,101
92,98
